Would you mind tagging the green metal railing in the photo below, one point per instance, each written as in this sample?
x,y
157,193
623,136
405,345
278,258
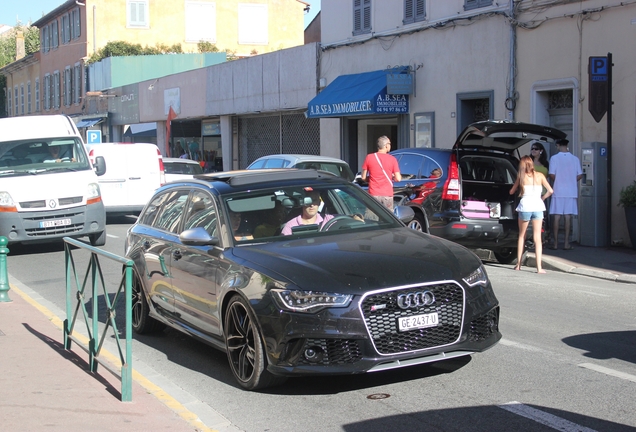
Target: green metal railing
x,y
95,276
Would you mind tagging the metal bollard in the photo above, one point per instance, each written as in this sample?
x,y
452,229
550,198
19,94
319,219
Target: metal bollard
x,y
4,273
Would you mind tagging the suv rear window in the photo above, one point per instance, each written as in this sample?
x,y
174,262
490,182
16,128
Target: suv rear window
x,y
487,169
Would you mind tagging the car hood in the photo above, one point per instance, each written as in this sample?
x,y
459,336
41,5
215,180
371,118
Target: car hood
x,y
357,262
503,135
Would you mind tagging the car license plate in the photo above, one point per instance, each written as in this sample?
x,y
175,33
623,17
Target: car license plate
x,y
55,223
418,321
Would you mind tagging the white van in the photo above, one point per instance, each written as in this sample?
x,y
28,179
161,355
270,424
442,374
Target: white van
x,y
133,172
48,187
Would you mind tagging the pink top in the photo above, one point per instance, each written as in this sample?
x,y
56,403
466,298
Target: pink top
x,y
297,221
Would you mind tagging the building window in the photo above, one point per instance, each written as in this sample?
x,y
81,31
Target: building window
x,y
137,13
77,83
45,39
68,86
47,92
200,21
37,95
56,90
414,10
425,129
15,100
29,97
22,99
474,4
55,37
7,95
75,23
252,21
66,29
361,16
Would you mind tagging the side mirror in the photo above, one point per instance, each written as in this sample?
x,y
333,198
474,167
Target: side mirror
x,y
197,237
100,165
404,213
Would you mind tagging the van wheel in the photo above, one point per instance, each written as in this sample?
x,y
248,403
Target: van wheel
x,y
506,255
98,239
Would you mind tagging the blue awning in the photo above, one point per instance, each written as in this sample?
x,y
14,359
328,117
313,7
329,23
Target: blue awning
x,y
358,94
89,122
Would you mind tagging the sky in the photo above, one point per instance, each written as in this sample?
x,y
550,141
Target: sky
x,y
24,11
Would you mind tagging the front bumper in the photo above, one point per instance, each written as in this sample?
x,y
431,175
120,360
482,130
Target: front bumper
x,y
22,227
358,340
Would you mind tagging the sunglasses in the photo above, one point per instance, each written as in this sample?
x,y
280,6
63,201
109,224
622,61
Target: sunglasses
x,y
534,148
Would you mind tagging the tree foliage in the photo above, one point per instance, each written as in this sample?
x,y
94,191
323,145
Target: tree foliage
x,y
8,43
124,49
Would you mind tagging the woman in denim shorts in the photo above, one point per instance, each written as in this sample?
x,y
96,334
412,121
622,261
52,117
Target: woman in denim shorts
x,y
531,207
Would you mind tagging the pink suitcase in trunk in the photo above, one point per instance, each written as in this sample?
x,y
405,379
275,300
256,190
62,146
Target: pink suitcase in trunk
x,y
479,209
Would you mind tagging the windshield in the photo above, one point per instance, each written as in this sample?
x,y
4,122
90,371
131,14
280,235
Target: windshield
x,y
42,156
310,211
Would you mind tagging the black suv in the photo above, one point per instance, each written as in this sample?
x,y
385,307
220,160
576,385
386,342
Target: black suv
x,y
462,194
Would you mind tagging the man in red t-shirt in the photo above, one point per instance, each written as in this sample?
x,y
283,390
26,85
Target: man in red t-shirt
x,y
381,169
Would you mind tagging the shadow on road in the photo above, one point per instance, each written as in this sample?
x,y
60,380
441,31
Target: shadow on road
x,y
606,345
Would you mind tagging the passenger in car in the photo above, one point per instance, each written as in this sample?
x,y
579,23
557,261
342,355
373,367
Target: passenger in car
x,y
235,219
274,218
309,215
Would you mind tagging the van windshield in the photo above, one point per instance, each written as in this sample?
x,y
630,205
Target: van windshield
x,y
42,156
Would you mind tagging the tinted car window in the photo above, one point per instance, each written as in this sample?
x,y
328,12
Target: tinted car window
x,y
201,213
276,163
410,165
258,164
342,171
182,168
164,212
487,169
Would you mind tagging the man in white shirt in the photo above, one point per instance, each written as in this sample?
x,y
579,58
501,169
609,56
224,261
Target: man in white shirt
x,y
565,173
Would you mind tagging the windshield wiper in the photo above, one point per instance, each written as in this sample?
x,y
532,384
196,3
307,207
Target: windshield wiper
x,y
7,172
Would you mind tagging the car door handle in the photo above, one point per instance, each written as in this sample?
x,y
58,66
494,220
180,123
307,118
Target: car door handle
x,y
176,255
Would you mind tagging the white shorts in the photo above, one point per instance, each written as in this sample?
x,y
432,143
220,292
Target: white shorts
x,y
563,206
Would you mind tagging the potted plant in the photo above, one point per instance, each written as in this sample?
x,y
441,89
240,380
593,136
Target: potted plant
x,y
627,200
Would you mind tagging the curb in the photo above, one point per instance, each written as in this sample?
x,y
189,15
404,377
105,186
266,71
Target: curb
x,y
558,265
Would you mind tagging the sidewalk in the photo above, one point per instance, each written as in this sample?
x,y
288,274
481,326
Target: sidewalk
x,y
611,263
42,386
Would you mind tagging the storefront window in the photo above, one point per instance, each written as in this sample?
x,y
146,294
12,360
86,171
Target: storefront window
x,y
425,129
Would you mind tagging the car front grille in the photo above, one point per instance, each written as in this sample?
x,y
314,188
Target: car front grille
x,y
381,313
332,352
33,229
481,328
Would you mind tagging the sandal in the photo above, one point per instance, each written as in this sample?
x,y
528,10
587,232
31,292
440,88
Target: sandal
x,y
569,247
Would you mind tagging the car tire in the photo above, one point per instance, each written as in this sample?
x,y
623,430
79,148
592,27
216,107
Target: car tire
x,y
244,347
98,239
142,322
417,223
506,255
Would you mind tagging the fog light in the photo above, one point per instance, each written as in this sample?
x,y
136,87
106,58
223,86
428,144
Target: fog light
x,y
94,226
13,235
313,354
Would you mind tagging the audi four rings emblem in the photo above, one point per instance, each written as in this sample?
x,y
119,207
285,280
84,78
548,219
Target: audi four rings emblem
x,y
415,299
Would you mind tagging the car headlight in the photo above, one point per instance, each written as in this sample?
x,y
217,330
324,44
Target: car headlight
x,y
6,200
309,301
477,277
93,191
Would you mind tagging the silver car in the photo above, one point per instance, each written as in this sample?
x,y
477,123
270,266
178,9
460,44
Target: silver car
x,y
303,161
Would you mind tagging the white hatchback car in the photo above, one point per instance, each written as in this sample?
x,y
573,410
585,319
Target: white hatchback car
x,y
303,161
181,169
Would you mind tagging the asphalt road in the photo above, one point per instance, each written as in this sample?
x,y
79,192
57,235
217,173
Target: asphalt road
x,y
567,362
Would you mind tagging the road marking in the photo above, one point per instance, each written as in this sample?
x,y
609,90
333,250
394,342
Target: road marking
x,y
112,236
521,346
593,293
544,418
608,371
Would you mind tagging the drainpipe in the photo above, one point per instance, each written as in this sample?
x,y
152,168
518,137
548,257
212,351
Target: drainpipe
x,y
511,97
94,30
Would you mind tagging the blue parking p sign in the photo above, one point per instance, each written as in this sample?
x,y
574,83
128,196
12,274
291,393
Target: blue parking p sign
x,y
93,137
